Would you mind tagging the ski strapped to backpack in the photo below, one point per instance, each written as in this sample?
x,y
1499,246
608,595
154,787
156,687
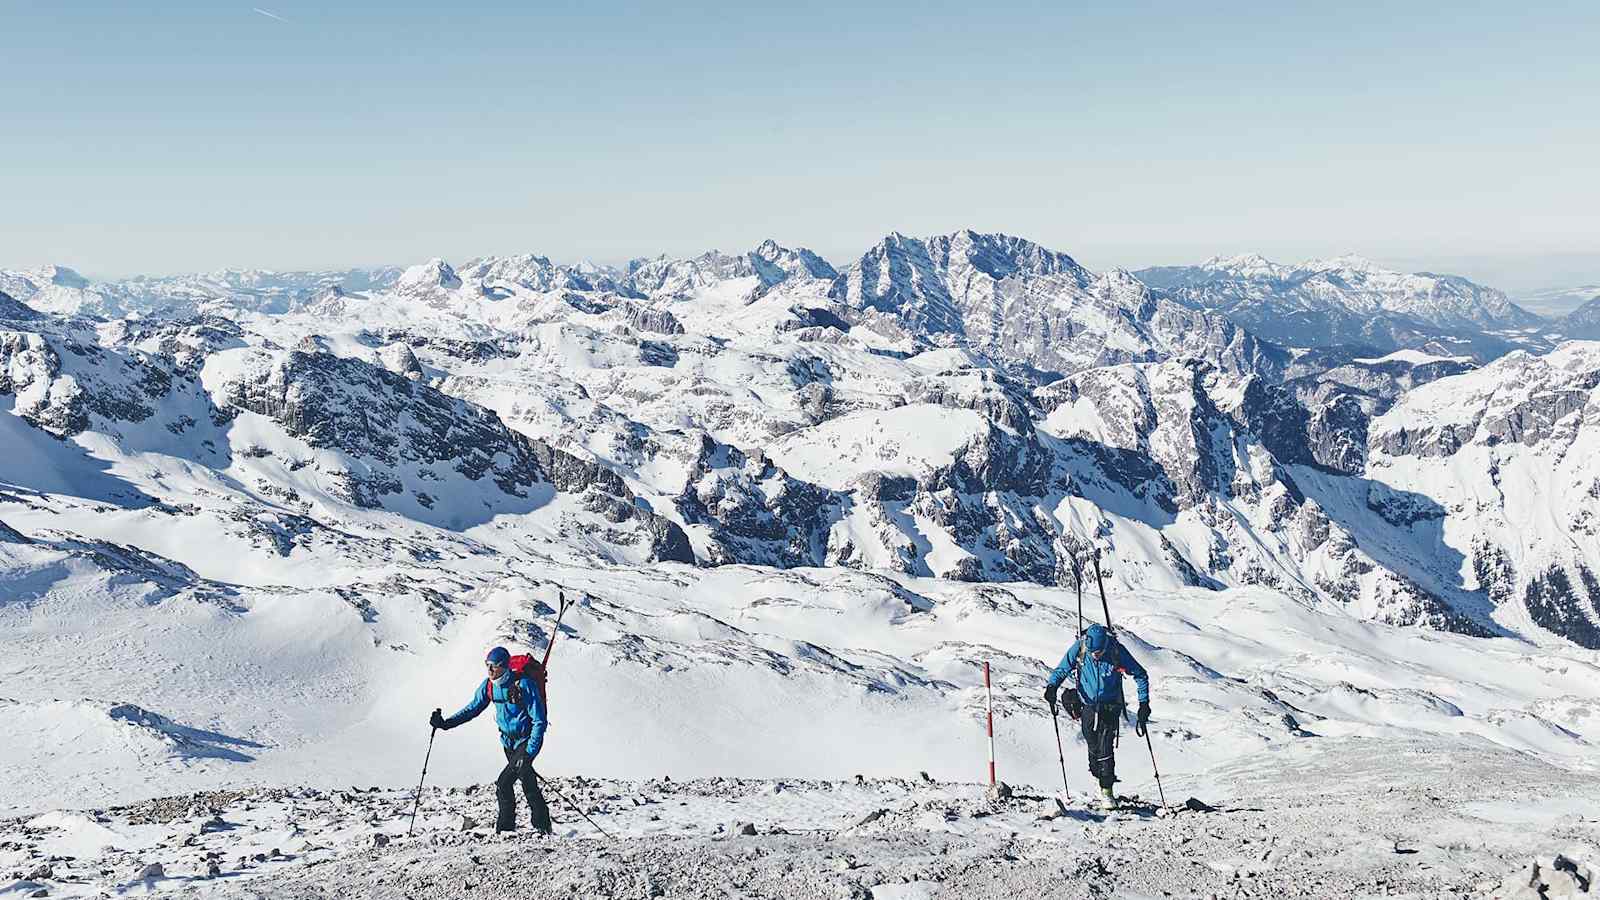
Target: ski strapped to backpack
x,y
524,665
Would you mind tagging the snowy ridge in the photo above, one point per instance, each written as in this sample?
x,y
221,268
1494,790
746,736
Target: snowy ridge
x,y
1349,300
11,309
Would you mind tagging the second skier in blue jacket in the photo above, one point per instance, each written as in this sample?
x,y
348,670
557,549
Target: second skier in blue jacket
x,y
519,711
1097,661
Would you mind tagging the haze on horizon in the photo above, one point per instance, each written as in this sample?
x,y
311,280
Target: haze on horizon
x,y
193,136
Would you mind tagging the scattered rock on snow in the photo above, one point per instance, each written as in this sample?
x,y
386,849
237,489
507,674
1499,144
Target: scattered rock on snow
x,y
1051,808
1000,791
871,817
154,870
379,839
1559,878
1195,804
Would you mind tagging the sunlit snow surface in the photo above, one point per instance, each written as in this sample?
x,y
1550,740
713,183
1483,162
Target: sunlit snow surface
x,y
199,597
736,671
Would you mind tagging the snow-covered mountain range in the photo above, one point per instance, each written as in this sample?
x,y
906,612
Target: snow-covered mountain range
x,y
956,407
61,290
1352,301
807,500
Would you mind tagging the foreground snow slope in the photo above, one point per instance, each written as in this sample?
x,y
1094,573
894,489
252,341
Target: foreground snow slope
x,y
737,670
1312,818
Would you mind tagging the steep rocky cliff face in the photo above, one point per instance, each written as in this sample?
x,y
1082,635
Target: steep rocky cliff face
x,y
1018,302
1512,454
329,431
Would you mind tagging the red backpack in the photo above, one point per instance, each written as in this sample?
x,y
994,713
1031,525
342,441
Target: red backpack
x,y
523,664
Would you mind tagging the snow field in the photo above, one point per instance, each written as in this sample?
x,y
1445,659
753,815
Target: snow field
x,y
1303,821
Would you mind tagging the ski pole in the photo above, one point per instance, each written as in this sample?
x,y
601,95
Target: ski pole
x,y
1153,768
1060,753
418,802
575,807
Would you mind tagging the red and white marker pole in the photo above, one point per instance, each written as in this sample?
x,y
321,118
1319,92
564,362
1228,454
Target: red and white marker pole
x,y
988,690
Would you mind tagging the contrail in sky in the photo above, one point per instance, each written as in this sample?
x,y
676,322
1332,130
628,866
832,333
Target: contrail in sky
x,y
270,15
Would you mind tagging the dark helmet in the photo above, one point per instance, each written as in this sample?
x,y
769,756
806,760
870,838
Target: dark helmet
x,y
499,656
1096,638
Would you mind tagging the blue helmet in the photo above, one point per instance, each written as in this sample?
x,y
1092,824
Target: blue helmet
x,y
499,656
1096,638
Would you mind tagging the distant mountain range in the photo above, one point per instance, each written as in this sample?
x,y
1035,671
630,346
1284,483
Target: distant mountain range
x,y
1352,301
961,405
996,292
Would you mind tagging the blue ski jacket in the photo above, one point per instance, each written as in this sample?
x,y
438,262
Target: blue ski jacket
x,y
1100,680
522,725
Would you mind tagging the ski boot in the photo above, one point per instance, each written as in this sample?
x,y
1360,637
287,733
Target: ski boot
x,y
1106,799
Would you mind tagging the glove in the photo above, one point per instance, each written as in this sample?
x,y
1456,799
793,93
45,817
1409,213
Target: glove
x,y
1050,697
437,721
1074,705
1144,716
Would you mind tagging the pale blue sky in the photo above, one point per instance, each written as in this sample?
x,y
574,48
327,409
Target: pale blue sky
x,y
160,137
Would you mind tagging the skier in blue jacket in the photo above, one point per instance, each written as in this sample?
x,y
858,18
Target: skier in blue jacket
x,y
520,713
1098,660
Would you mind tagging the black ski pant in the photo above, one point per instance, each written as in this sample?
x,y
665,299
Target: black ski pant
x,y
1099,723
520,768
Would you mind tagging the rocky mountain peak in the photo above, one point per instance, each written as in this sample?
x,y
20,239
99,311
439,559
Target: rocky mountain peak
x,y
775,264
435,273
61,276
